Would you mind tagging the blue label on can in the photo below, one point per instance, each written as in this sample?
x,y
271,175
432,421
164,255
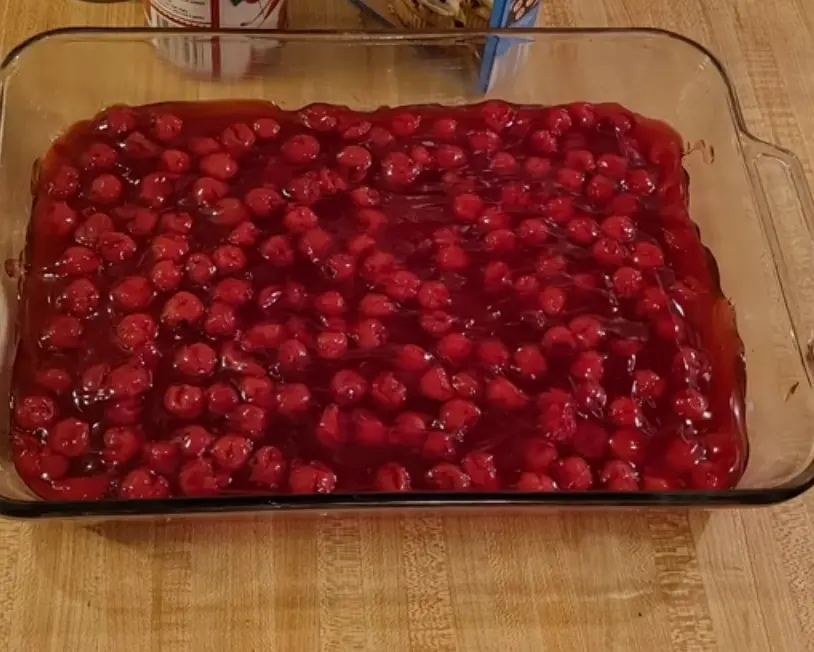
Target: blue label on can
x,y
503,55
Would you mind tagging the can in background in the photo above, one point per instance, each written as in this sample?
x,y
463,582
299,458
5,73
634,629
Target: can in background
x,y
212,56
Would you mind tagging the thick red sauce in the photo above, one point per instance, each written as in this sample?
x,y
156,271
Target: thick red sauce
x,y
229,297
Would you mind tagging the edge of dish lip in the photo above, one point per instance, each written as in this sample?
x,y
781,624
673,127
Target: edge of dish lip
x,y
395,35
379,501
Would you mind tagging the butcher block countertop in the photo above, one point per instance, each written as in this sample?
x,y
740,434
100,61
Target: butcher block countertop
x,y
623,581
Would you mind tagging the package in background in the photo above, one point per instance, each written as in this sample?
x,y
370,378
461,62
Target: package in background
x,y
500,56
216,56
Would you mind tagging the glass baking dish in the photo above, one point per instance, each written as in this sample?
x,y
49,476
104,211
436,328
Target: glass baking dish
x,y
749,198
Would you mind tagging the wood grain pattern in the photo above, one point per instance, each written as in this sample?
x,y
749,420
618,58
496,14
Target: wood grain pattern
x,y
624,581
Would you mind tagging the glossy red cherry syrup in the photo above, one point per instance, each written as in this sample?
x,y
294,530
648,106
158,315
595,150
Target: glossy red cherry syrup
x,y
235,298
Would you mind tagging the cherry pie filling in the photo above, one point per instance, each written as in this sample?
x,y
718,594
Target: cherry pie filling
x,y
232,298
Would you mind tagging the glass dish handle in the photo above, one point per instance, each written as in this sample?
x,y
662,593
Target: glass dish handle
x,y
787,216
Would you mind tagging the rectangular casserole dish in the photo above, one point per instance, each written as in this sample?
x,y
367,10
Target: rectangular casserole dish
x,y
748,198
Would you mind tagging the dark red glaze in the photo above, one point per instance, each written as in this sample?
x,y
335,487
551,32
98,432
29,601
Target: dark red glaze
x,y
232,298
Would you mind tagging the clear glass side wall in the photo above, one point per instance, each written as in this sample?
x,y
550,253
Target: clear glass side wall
x,y
64,78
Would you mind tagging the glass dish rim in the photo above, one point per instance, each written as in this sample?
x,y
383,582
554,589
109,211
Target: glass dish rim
x,y
16,508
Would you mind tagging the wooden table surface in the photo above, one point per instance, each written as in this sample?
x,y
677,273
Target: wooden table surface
x,y
648,581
